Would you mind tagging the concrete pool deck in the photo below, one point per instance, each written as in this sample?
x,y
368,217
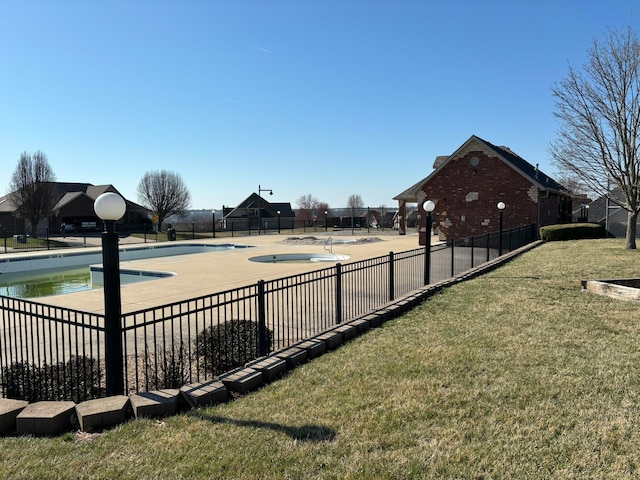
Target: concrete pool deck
x,y
206,273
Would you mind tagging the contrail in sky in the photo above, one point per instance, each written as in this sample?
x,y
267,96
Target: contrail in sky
x,y
261,49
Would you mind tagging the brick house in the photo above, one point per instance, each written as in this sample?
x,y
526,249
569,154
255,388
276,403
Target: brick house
x,y
74,208
467,185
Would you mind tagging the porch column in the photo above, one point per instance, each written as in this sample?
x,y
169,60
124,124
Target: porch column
x,y
402,217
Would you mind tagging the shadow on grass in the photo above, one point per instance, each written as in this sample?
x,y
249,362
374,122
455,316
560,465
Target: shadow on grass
x,y
302,433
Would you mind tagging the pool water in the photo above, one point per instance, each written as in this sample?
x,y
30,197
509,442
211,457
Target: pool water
x,y
45,282
59,273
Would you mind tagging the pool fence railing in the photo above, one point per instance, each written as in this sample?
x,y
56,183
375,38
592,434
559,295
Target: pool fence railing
x,y
55,353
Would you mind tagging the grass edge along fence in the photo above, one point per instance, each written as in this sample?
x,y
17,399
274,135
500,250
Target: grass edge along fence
x,y
54,353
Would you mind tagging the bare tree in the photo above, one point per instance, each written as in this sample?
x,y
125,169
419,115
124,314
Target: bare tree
x,y
164,193
307,201
355,202
322,207
306,205
573,183
599,113
32,188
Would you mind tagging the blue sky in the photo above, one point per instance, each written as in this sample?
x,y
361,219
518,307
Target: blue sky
x,y
327,97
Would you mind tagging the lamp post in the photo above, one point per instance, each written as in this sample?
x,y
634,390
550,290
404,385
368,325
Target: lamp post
x,y
326,222
213,224
111,207
500,206
428,206
260,190
278,212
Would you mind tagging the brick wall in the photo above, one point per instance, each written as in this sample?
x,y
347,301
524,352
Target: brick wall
x,y
467,191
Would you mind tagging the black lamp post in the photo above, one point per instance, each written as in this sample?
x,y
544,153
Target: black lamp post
x,y
260,190
428,206
500,206
111,207
326,221
213,227
278,212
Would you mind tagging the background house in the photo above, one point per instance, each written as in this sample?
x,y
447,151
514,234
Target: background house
x,y
255,211
74,209
467,185
346,218
607,213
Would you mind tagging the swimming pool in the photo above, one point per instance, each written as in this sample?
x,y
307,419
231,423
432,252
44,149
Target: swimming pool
x,y
58,273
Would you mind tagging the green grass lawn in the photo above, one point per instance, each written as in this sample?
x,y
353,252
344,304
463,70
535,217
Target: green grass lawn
x,y
516,374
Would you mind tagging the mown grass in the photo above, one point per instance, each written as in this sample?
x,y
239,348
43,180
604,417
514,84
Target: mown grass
x,y
517,374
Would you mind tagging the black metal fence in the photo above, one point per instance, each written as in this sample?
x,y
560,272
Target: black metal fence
x,y
11,242
54,353
45,239
49,352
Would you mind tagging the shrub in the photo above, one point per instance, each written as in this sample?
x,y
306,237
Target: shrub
x,y
571,231
170,368
21,381
80,380
76,380
228,345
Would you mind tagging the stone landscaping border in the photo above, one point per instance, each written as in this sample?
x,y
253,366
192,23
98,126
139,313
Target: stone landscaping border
x,y
53,418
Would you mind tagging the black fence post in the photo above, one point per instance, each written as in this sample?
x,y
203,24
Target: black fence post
x,y
453,256
472,242
262,324
488,245
47,241
392,294
338,293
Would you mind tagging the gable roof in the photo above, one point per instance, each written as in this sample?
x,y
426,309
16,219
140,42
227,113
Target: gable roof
x,y
267,209
598,208
533,174
68,192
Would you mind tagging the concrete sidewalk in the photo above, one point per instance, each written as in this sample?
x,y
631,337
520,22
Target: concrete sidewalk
x,y
206,273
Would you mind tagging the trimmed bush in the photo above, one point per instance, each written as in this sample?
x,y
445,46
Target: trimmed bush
x,y
169,368
22,381
571,231
76,380
229,345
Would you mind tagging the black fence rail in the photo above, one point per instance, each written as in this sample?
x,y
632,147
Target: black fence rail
x,y
466,253
46,239
50,352
11,242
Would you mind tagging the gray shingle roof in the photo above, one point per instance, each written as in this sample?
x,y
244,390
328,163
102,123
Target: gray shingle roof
x,y
532,173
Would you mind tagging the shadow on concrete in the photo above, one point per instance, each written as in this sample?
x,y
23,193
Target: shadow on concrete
x,y
302,433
